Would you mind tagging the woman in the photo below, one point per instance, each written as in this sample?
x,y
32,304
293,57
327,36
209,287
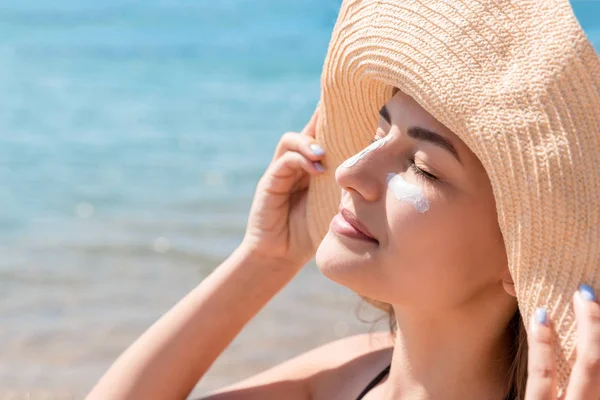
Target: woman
x,y
437,219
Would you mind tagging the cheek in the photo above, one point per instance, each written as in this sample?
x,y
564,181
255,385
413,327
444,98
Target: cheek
x,y
408,212
409,232
441,256
359,271
407,192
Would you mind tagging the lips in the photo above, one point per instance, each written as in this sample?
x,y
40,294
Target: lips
x,y
361,232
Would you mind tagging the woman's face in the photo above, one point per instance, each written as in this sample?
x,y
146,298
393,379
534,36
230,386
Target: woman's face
x,y
432,237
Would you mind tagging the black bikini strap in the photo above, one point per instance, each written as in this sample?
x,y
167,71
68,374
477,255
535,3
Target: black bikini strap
x,y
374,382
511,395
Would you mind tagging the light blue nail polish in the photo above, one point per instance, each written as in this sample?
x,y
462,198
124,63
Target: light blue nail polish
x,y
586,292
319,166
317,150
541,316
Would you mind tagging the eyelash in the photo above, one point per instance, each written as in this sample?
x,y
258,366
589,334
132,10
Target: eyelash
x,y
424,174
418,171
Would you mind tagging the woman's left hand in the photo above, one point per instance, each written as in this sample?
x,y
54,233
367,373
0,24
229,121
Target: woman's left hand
x,y
584,382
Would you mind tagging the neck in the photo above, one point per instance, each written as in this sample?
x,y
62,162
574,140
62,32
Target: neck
x,y
464,353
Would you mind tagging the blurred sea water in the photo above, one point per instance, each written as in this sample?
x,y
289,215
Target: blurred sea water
x,y
132,135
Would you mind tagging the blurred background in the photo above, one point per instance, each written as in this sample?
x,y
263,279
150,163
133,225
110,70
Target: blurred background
x,y
132,135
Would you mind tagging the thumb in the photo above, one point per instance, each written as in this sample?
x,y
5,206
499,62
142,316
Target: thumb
x,y
311,127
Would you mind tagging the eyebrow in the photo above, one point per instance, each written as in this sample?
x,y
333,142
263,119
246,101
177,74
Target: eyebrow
x,y
418,133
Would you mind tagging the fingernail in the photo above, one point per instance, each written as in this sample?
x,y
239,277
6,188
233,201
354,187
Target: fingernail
x,y
541,316
317,150
319,167
586,292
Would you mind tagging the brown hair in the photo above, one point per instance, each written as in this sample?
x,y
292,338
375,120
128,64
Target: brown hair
x,y
517,373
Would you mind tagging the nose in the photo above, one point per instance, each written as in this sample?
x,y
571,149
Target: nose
x,y
363,175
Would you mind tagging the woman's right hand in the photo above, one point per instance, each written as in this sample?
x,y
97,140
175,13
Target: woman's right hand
x,y
275,247
277,226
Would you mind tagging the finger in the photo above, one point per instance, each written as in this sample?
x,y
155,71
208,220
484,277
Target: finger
x,y
282,175
302,144
541,382
584,383
311,128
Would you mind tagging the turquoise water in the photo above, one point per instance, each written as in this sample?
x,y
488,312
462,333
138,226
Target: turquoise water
x,y
143,109
131,137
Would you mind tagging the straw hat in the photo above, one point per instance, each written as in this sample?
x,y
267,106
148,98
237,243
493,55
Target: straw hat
x,y
519,83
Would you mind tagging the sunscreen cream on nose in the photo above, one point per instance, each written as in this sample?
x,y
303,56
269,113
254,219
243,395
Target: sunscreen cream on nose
x,y
363,153
407,192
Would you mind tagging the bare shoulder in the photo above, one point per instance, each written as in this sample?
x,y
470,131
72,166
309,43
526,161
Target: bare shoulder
x,y
335,370
342,351
352,363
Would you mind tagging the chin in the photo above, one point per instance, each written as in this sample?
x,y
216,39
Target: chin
x,y
359,267
343,261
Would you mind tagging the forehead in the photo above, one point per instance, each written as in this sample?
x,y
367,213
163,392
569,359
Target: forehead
x,y
405,113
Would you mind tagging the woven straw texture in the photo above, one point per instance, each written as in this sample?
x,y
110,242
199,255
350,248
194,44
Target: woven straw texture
x,y
519,82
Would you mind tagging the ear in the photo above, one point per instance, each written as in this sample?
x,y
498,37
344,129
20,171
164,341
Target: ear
x,y
508,283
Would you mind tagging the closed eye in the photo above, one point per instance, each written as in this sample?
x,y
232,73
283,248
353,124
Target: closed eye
x,y
418,171
415,169
422,173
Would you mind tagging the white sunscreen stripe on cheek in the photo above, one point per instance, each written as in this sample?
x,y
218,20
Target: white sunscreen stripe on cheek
x,y
359,156
405,191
